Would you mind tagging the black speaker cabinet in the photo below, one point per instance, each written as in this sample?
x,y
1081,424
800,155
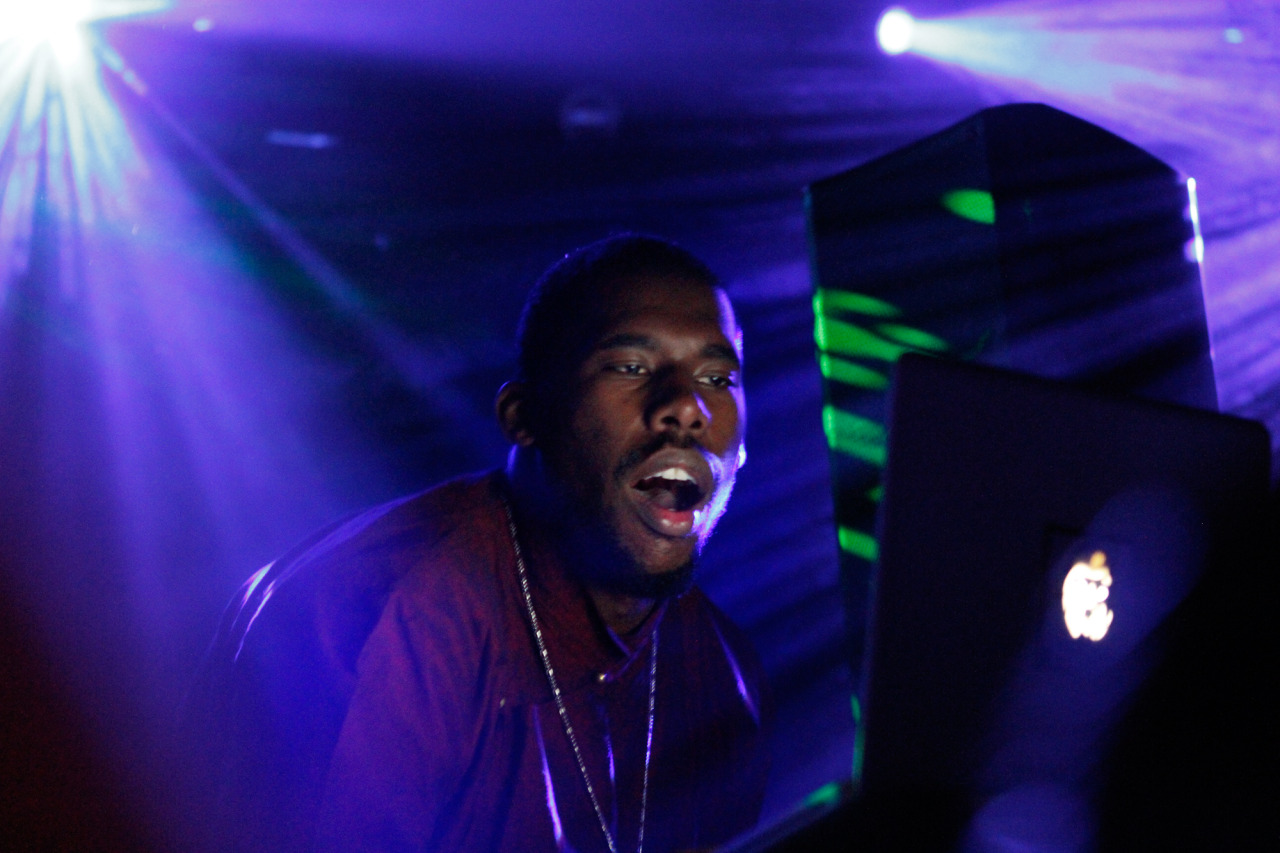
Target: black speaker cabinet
x,y
1021,237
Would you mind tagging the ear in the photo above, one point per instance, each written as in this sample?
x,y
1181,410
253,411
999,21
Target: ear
x,y
512,407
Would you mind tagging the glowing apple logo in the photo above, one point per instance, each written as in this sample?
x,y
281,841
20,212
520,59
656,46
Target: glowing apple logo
x,y
1084,598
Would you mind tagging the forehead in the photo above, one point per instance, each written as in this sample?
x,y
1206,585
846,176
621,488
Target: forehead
x,y
662,304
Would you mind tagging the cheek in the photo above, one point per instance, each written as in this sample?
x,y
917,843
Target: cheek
x,y
590,446
731,422
605,420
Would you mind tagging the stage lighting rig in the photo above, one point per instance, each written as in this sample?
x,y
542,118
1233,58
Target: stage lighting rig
x,y
53,25
894,30
63,140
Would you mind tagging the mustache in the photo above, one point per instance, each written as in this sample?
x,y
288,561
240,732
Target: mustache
x,y
659,442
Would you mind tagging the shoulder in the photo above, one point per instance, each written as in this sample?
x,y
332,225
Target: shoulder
x,y
451,518
270,699
328,592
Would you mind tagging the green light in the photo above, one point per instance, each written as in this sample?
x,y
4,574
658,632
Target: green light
x,y
849,373
828,301
912,337
858,544
974,205
844,338
855,435
827,795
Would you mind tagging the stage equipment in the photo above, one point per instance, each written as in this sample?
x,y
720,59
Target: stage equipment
x,y
894,30
1022,237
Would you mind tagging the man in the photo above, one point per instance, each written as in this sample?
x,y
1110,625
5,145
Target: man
x,y
519,661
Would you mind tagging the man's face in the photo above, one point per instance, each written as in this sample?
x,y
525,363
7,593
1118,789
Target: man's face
x,y
650,425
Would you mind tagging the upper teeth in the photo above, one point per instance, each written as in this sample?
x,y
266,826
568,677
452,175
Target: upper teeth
x,y
674,474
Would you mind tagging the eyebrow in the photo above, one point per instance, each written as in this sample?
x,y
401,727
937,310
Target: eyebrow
x,y
624,340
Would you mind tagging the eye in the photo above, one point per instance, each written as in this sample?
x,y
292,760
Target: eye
x,y
628,368
720,380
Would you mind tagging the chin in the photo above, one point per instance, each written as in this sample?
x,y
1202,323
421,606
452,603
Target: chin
x,y
639,583
654,554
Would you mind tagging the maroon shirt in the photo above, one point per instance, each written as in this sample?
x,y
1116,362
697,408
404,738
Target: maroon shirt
x,y
432,723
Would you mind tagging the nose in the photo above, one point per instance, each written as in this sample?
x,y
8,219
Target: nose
x,y
675,405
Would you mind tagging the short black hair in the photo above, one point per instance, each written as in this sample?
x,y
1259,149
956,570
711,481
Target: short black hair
x,y
560,299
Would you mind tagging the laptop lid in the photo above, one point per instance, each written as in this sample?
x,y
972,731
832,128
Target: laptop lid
x,y
1039,547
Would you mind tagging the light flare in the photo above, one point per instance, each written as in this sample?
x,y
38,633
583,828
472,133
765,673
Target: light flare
x,y
895,31
1197,84
65,147
1183,74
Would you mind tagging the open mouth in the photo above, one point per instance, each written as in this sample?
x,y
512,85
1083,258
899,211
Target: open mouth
x,y
669,497
672,489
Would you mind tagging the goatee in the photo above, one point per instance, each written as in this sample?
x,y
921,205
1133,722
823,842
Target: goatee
x,y
638,583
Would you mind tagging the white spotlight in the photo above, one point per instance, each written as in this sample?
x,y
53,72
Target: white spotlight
x,y
894,31
46,22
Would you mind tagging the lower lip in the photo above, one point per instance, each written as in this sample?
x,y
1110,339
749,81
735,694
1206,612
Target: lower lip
x,y
668,522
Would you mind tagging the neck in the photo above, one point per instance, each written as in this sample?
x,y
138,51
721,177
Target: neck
x,y
622,613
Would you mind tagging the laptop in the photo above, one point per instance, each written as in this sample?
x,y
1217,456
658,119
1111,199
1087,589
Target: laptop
x,y
1069,628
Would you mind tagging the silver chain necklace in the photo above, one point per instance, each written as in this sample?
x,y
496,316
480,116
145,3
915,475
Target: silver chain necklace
x,y
564,711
